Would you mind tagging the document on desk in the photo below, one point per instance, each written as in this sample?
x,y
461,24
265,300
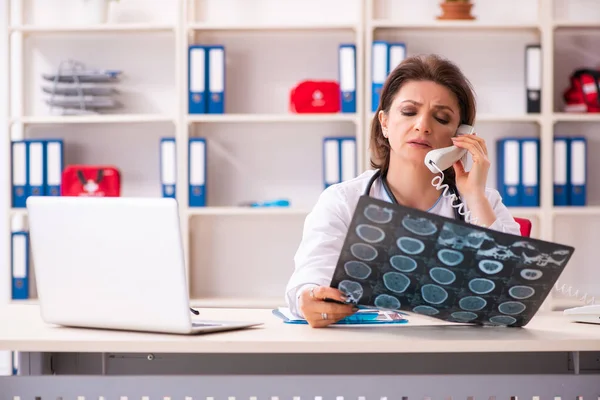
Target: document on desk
x,y
362,317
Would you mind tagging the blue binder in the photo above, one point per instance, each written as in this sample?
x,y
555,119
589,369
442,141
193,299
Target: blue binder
x,y
19,173
54,166
36,170
509,171
216,79
197,77
15,362
379,62
348,158
197,172
19,259
339,159
578,171
168,167
397,54
530,172
347,72
561,171
331,161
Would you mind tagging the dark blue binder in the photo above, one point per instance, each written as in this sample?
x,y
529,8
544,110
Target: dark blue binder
x,y
197,79
19,261
216,79
509,171
379,70
168,167
36,167
561,171
530,172
54,166
19,166
578,170
347,77
197,172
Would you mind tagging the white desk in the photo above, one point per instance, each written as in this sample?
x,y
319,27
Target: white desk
x,y
463,359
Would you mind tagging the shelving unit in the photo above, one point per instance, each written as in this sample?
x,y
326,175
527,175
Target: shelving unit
x,y
258,150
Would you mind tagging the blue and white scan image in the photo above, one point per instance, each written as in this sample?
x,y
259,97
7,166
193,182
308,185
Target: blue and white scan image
x,y
397,258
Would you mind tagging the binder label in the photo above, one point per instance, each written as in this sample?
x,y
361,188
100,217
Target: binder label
x,y
560,162
578,163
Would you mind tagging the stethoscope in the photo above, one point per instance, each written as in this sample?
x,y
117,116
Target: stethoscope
x,y
377,175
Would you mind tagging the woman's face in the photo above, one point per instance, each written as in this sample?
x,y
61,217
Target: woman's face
x,y
423,116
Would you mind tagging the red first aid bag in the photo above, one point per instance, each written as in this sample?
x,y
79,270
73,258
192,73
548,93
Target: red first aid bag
x,y
315,97
583,95
91,180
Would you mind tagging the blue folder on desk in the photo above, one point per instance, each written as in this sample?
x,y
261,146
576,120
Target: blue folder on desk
x,y
362,317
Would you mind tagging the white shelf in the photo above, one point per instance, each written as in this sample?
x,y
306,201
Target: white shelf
x,y
589,211
577,24
229,211
446,24
267,118
525,211
576,117
94,119
206,26
108,28
508,118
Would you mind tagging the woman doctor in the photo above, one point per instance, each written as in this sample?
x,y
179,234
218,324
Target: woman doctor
x,y
422,103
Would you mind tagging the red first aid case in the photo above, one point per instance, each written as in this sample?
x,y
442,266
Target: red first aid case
x,y
315,97
91,180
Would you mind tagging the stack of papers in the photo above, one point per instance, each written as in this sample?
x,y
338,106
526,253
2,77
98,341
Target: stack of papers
x,y
362,317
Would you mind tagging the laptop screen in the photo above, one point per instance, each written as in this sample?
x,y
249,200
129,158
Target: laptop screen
x,y
405,259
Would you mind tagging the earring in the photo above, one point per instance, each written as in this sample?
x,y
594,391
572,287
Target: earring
x,y
385,133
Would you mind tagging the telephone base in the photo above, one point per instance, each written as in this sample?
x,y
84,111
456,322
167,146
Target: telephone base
x,y
587,314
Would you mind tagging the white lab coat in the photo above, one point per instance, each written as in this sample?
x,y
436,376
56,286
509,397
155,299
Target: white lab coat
x,y
326,226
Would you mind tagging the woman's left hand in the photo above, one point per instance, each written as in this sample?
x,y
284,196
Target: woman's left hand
x,y
472,184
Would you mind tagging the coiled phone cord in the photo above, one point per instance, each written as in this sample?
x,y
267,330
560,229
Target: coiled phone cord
x,y
586,298
437,182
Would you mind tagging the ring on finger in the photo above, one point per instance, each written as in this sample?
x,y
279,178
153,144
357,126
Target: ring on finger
x,y
324,315
312,292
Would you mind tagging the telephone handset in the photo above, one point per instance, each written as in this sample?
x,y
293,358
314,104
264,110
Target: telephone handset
x,y
441,159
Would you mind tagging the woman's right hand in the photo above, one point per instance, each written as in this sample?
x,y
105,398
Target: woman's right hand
x,y
320,313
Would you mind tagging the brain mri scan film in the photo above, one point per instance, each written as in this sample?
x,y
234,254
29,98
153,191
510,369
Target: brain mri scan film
x,y
398,258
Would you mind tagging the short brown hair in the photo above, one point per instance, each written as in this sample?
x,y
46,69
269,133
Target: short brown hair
x,y
420,68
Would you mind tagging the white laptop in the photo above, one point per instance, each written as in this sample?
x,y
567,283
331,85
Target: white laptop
x,y
113,263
